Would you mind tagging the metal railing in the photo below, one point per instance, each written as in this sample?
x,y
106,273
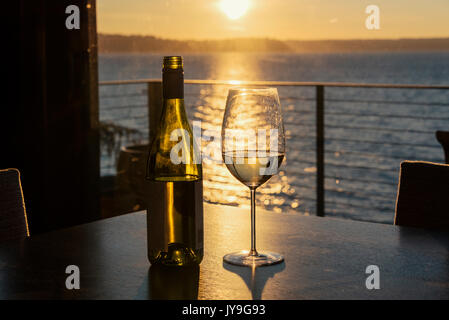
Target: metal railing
x,y
153,92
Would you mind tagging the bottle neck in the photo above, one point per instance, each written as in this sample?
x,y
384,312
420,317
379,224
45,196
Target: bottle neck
x,y
173,84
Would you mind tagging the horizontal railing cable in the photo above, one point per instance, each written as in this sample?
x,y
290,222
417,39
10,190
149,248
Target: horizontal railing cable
x,y
380,115
391,102
361,180
284,84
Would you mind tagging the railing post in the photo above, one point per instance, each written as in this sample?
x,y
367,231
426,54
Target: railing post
x,y
154,107
320,150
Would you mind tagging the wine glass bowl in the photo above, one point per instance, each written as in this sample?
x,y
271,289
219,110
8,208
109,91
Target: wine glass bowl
x,y
253,148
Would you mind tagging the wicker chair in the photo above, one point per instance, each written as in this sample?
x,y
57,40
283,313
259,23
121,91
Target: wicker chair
x,y
423,195
13,218
443,139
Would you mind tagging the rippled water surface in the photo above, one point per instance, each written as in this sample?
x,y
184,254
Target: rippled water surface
x,y
368,131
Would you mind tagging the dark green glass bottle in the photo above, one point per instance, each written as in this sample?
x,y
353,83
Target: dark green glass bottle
x,y
175,208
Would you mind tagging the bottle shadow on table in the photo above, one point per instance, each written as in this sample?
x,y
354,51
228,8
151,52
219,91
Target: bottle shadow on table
x,y
255,278
170,283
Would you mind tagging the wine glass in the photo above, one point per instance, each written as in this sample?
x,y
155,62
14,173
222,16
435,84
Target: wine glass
x,y
253,147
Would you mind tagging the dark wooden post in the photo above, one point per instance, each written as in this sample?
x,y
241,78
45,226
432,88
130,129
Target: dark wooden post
x,y
320,151
154,107
53,129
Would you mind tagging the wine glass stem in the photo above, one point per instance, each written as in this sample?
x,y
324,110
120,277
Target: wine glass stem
x,y
253,251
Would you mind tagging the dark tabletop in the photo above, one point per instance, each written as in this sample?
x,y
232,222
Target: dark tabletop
x,y
325,258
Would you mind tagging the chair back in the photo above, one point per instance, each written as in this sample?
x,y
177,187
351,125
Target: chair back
x,y
443,139
423,195
13,218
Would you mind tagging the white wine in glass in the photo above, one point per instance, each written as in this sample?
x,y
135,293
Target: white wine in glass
x,y
254,171
253,148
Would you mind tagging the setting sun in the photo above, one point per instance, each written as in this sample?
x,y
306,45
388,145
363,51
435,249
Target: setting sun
x,y
234,9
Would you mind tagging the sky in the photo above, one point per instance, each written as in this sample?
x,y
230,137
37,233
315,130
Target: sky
x,y
278,19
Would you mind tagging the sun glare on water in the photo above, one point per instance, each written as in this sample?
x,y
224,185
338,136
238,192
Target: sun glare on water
x,y
234,9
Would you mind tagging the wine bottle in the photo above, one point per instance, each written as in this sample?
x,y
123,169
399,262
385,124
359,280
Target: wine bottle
x,y
175,206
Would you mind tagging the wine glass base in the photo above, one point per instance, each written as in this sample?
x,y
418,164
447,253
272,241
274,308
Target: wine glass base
x,y
242,258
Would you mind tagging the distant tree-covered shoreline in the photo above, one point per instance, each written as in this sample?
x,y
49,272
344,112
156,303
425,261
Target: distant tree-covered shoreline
x,y
110,43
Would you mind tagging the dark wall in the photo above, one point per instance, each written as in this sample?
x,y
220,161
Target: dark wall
x,y
52,123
